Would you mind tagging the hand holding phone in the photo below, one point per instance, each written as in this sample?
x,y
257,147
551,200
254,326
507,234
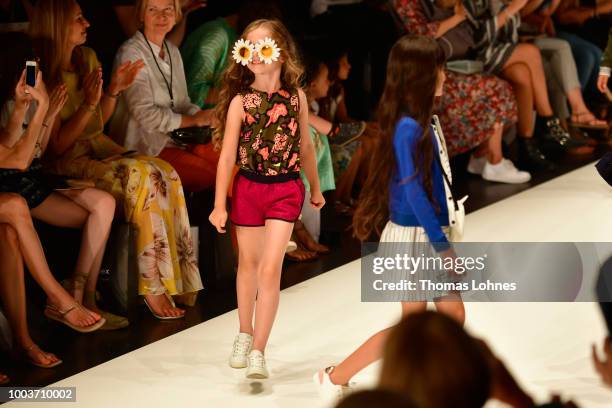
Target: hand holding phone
x,y
31,72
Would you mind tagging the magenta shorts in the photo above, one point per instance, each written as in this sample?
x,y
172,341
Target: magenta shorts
x,y
254,202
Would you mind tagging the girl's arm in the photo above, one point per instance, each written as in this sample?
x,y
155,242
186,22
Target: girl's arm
x,y
404,144
227,160
321,125
307,154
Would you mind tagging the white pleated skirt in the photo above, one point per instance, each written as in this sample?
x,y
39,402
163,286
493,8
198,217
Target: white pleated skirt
x,y
414,242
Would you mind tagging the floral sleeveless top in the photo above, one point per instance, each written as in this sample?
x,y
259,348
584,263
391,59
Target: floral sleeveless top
x,y
269,143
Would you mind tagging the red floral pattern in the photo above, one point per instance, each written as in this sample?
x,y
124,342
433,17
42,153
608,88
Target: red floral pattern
x,y
471,104
270,132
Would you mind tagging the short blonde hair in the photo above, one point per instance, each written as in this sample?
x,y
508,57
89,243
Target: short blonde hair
x,y
141,6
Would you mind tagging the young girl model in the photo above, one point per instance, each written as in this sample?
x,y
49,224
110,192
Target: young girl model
x,y
405,186
262,115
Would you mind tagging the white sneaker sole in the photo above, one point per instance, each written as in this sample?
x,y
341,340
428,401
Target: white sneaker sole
x,y
238,364
506,181
257,375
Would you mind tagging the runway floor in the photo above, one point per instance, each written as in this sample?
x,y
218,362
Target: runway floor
x,y
320,321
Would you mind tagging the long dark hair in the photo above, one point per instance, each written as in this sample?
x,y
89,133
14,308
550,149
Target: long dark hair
x,y
415,62
419,346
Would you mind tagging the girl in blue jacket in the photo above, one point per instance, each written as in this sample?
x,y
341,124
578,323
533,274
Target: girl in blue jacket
x,y
405,190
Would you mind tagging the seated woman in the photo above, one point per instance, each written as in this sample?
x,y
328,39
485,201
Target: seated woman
x,y
576,23
587,19
148,189
351,160
157,102
497,47
475,109
87,208
559,68
19,242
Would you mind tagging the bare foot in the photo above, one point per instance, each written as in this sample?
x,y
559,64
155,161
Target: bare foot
x,y
301,255
162,307
307,240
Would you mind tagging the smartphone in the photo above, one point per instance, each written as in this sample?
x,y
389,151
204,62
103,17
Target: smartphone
x,y
31,73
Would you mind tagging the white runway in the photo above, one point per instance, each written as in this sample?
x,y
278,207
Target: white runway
x,y
320,321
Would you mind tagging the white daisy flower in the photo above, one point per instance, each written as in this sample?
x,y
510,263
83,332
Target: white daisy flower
x,y
267,50
243,51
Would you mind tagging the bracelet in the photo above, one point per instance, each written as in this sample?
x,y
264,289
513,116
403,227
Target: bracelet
x,y
115,96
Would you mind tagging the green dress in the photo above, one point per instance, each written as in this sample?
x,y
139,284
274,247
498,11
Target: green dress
x,y
205,55
325,167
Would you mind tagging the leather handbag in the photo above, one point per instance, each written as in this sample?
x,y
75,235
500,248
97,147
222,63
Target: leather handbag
x,y
192,135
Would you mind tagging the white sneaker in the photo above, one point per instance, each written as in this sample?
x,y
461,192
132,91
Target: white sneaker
x,y
329,393
476,164
242,347
257,366
504,172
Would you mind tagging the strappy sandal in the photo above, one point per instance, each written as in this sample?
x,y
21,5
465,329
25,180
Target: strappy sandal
x,y
53,313
24,355
589,124
160,317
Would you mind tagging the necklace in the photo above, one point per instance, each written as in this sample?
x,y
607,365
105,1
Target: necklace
x,y
168,84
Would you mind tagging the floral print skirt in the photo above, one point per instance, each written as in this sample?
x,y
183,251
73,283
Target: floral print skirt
x,y
470,106
151,195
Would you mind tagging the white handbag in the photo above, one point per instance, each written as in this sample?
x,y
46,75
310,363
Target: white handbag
x,y
456,209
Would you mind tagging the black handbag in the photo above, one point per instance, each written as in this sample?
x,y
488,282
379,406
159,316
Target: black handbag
x,y
192,135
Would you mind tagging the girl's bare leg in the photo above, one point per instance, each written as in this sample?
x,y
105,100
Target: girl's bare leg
x,y
251,246
12,294
14,211
370,351
276,237
452,306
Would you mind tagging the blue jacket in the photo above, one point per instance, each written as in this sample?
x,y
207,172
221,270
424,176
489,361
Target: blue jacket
x,y
409,204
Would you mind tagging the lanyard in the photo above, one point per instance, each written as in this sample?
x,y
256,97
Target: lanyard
x,y
168,85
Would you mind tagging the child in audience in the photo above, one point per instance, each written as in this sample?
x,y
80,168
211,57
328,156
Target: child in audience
x,y
262,116
606,67
472,373
406,180
306,231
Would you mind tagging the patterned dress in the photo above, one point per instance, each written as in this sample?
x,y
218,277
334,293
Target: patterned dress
x,y
471,104
269,143
149,191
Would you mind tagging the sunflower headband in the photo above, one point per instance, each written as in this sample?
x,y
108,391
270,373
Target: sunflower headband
x,y
267,50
